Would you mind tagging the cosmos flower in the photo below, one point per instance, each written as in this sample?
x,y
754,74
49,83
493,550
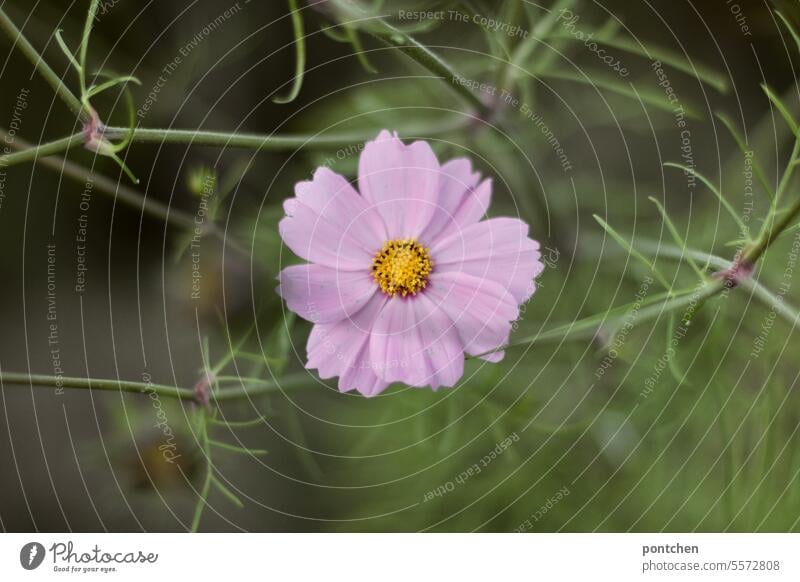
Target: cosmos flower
x,y
403,277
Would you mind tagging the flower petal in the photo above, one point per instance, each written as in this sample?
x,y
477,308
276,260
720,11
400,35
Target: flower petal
x,y
401,181
321,294
416,343
342,349
330,224
497,249
456,180
481,310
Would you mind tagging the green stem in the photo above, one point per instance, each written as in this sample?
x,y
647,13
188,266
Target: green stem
x,y
252,388
259,141
40,65
206,488
300,58
526,49
650,310
23,379
125,195
46,149
758,290
773,227
247,390
214,138
396,38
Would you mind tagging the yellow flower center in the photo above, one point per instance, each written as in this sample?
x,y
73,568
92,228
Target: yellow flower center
x,y
402,266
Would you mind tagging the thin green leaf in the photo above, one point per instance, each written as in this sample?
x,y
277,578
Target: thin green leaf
x,y
226,492
97,89
333,33
676,236
700,72
87,31
300,55
67,52
779,105
742,228
128,172
254,422
202,501
759,170
232,353
790,28
358,50
235,449
672,362
632,251
651,308
597,80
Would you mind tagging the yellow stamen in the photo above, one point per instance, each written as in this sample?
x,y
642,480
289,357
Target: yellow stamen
x,y
402,266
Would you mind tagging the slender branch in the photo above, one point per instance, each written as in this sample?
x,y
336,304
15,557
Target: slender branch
x,y
36,380
212,138
252,388
300,58
248,389
261,141
772,301
215,138
46,149
394,37
126,195
525,49
123,193
661,305
40,65
760,292
772,229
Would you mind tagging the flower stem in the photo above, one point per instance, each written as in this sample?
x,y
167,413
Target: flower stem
x,y
396,38
16,36
772,228
759,291
260,141
215,138
46,149
125,195
247,390
23,379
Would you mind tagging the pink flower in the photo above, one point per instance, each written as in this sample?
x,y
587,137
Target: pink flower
x,y
404,278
